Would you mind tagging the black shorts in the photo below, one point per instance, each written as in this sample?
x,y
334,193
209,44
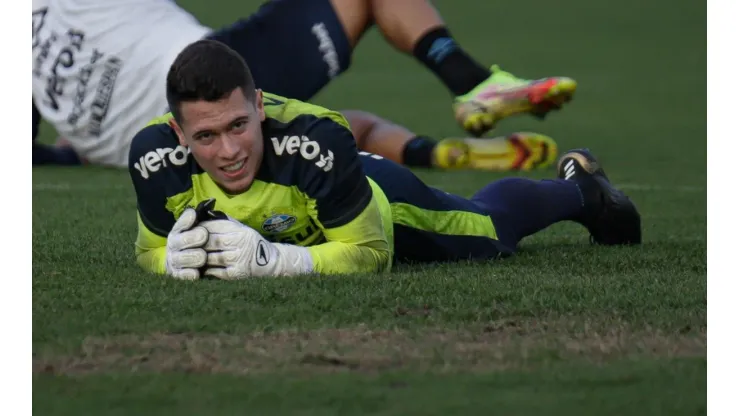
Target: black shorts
x,y
293,47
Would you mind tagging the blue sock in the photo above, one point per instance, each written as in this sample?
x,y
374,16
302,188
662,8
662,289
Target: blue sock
x,y
521,207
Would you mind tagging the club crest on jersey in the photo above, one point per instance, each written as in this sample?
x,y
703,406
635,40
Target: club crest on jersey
x,y
278,223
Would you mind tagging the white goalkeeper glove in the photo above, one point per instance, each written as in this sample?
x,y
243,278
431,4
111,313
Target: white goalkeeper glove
x,y
185,252
236,251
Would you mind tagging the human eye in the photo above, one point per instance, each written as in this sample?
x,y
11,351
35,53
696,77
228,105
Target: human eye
x,y
239,125
203,136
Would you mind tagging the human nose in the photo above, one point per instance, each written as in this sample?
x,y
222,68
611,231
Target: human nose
x,y
229,147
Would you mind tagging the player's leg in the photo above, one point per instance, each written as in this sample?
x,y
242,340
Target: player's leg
x,y
44,154
415,28
582,193
430,225
482,96
518,151
293,47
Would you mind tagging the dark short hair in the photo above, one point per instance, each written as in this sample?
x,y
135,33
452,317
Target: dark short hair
x,y
207,70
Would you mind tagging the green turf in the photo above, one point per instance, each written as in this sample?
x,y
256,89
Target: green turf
x,y
622,388
562,328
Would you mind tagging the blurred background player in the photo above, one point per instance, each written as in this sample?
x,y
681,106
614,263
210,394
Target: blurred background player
x,y
517,151
99,69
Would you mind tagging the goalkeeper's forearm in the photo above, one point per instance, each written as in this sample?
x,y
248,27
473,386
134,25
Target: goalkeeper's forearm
x,y
152,260
151,249
328,258
342,258
360,246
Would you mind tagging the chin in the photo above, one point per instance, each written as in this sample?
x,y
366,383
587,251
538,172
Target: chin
x,y
239,186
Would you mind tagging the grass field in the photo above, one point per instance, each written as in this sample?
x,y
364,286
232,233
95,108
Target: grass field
x,y
562,328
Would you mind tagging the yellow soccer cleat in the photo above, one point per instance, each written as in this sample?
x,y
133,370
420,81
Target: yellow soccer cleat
x,y
517,151
503,95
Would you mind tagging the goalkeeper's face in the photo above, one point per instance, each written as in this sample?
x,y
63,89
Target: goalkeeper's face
x,y
225,138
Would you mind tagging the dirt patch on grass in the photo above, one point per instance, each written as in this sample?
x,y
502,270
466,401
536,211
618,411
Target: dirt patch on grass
x,y
501,345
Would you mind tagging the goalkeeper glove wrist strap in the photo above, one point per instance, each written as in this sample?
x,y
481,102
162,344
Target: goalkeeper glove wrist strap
x,y
292,260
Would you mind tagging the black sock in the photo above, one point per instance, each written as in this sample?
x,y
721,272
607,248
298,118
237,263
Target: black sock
x,y
439,52
418,152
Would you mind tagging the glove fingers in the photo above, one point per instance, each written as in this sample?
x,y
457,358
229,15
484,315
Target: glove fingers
x,y
186,274
186,221
222,258
196,237
219,273
189,259
223,242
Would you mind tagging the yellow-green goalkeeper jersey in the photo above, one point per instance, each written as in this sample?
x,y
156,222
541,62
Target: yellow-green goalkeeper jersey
x,y
310,190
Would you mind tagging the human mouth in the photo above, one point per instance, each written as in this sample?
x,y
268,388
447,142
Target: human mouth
x,y
235,169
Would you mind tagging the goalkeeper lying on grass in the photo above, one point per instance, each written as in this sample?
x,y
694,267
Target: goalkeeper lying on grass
x,y
293,196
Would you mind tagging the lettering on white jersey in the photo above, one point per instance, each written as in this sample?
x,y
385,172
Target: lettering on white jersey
x,y
96,66
61,58
99,107
38,22
307,148
327,48
152,161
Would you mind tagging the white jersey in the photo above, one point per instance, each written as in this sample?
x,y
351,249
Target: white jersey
x,y
100,68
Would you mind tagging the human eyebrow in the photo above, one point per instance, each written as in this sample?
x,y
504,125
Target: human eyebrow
x,y
241,119
202,134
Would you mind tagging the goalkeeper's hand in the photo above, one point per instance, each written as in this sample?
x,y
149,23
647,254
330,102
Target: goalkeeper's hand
x,y
185,252
236,251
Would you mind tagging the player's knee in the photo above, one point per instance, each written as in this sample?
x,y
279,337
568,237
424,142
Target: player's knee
x,y
362,124
355,17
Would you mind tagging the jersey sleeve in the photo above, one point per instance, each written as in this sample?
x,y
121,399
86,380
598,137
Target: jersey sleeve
x,y
155,178
334,177
345,205
358,246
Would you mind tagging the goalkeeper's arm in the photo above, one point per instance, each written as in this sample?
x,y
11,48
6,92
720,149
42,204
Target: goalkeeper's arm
x,y
150,249
163,244
353,213
358,246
